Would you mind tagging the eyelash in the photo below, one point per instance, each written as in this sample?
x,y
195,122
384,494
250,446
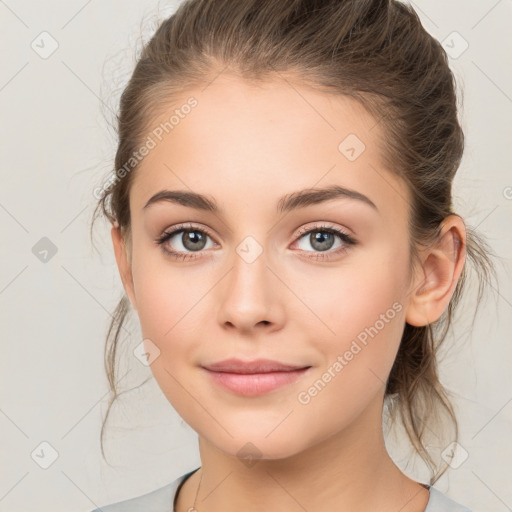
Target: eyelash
x,y
321,255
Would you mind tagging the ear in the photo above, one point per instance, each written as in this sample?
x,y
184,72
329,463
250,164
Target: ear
x,y
123,263
442,264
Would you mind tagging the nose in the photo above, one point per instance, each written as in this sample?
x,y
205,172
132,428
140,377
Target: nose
x,y
251,297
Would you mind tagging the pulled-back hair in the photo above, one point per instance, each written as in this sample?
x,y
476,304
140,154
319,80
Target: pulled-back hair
x,y
375,51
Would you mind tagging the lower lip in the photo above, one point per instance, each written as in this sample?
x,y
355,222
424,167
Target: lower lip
x,y
254,384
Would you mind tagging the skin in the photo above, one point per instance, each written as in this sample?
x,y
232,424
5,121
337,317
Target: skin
x,y
246,146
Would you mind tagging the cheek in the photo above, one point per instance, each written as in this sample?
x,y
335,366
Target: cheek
x,y
363,317
168,309
164,299
346,301
157,305
171,306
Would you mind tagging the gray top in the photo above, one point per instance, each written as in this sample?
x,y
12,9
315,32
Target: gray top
x,y
161,499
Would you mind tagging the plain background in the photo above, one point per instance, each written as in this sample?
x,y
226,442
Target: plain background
x,y
57,146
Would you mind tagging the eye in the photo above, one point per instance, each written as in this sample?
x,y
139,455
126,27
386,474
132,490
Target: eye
x,y
184,238
322,239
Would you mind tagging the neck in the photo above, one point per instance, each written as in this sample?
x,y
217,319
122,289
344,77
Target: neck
x,y
350,471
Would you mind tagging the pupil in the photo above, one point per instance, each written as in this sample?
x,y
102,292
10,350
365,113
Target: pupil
x,y
193,240
322,240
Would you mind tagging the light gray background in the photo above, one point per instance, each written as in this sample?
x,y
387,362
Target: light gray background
x,y
57,146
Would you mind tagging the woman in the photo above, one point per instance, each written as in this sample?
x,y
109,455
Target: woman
x,y
283,225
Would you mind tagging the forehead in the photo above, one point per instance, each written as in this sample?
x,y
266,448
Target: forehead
x,y
264,140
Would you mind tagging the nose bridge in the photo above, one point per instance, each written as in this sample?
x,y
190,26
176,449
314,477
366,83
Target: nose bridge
x,y
250,295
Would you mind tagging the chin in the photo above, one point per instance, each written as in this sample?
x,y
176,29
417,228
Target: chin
x,y
250,446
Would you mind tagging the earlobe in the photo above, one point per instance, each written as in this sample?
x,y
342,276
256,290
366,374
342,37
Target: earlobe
x,y
441,267
123,263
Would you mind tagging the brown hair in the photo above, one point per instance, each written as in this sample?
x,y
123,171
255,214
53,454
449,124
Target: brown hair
x,y
375,51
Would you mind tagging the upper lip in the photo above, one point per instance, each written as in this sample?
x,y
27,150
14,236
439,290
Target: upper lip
x,y
234,365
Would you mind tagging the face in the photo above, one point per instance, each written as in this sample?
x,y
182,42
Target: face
x,y
318,282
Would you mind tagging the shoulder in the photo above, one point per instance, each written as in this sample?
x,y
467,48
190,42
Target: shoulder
x,y
159,500
439,502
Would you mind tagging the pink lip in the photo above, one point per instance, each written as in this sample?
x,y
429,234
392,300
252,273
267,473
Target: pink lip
x,y
234,365
252,378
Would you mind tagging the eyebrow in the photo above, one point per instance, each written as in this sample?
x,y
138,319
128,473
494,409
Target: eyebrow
x,y
289,202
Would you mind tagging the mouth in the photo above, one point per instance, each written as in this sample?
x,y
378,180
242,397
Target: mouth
x,y
253,378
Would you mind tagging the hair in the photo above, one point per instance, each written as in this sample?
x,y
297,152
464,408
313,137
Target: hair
x,y
375,51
